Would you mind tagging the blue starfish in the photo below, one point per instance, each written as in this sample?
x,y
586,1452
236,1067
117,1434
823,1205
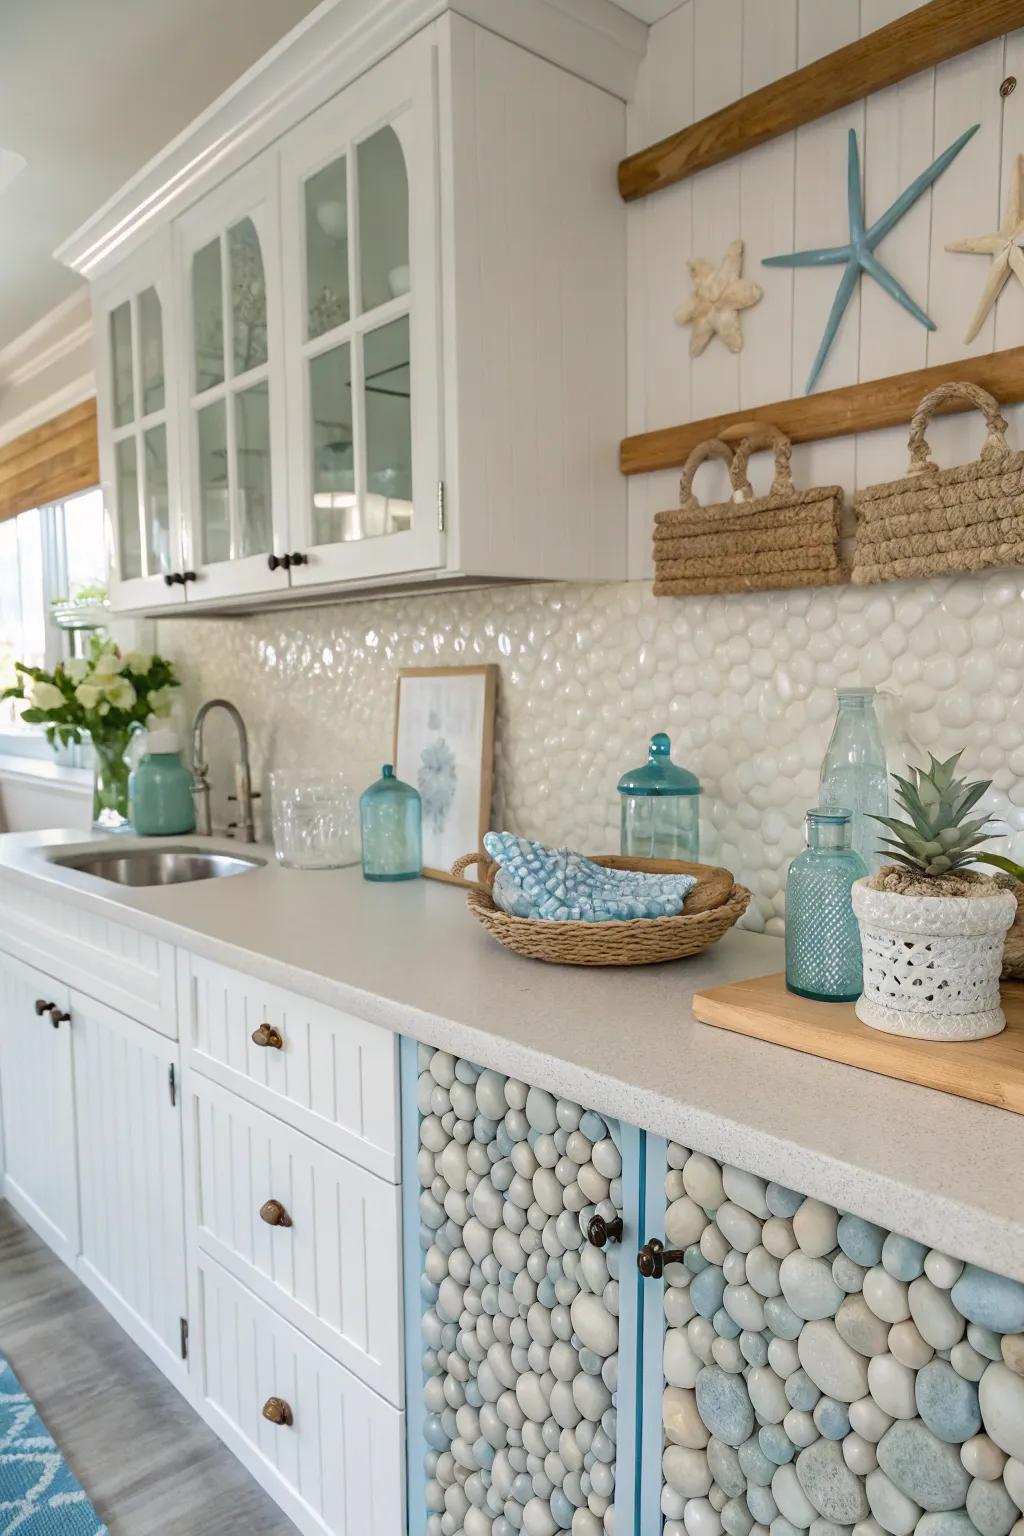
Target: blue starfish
x,y
858,254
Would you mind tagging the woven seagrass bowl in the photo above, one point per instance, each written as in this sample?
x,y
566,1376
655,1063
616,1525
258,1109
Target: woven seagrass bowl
x,y
710,910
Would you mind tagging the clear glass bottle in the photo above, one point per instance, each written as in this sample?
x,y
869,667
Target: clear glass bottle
x,y
854,774
660,808
823,953
390,813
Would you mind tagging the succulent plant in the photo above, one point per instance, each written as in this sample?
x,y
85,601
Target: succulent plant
x,y
941,834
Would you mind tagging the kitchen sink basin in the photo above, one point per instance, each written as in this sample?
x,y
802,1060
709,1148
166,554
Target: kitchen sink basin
x,y
158,866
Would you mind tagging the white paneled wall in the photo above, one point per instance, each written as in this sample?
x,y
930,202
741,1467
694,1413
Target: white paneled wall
x,y
790,194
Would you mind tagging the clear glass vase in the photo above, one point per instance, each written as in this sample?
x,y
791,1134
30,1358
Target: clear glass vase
x,y
823,953
854,774
110,809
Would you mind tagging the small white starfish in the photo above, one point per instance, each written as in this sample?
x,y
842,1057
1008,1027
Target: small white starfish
x,y
1004,247
719,294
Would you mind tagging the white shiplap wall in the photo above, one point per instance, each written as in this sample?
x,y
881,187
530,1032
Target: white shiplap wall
x,y
790,194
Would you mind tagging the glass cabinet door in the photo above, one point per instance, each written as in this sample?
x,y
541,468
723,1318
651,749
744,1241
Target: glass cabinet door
x,y
362,328
229,256
137,434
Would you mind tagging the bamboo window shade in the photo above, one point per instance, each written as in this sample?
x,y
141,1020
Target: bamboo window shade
x,y
50,462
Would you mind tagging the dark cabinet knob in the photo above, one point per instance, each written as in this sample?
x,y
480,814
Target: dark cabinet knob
x,y
42,1006
174,579
277,1411
187,576
269,1036
298,559
274,1214
278,562
57,1018
600,1231
653,1257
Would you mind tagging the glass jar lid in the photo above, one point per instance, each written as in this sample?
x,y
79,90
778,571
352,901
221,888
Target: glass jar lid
x,y
659,775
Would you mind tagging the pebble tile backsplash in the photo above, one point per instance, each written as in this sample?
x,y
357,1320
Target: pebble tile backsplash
x,y
743,684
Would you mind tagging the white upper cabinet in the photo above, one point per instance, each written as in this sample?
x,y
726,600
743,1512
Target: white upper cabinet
x,y
397,315
359,227
227,253
137,424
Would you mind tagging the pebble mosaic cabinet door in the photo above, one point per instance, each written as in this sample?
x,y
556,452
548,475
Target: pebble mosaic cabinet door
x,y
521,1323
818,1373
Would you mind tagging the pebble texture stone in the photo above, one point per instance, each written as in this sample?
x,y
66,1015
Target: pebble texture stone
x,y
587,672
862,1398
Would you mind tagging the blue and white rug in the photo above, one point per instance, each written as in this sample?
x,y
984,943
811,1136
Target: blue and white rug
x,y
38,1495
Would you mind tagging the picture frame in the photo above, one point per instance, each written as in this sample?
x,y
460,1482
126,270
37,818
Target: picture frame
x,y
444,747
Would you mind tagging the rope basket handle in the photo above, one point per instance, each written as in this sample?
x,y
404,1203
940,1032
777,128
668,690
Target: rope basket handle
x,y
765,437
710,448
460,866
995,441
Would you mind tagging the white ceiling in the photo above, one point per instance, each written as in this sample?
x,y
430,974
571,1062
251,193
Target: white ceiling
x,y
92,89
89,91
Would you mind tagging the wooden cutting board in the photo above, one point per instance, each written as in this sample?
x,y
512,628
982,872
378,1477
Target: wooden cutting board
x,y
990,1071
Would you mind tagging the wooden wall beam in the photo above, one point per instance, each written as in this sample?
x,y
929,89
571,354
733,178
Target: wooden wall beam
x,y
835,412
924,37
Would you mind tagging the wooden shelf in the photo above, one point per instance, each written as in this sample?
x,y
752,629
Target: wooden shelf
x,y
924,37
989,1071
864,407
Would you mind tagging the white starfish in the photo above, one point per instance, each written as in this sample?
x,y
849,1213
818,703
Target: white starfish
x,y
1004,247
719,294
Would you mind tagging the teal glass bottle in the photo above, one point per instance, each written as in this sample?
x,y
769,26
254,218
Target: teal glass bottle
x,y
660,808
854,774
160,789
823,953
391,815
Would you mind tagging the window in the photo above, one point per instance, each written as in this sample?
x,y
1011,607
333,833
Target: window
x,y
47,556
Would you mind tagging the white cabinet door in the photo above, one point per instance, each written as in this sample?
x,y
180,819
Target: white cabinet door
x,y
328,1449
129,1158
137,422
360,221
38,1104
229,285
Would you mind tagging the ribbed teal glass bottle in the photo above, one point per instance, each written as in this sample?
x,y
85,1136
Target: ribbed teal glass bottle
x,y
660,807
391,815
854,773
823,953
160,789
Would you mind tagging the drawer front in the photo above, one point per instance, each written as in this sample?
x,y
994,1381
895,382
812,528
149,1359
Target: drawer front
x,y
334,1271
324,1071
119,965
337,1467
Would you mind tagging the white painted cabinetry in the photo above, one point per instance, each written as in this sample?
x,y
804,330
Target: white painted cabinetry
x,y
38,1104
128,1116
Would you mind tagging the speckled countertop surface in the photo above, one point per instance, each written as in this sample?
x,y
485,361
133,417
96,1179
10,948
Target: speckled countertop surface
x,y
410,958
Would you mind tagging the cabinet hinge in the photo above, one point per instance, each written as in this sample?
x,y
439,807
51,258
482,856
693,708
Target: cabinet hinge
x,y
184,1337
440,507
172,1084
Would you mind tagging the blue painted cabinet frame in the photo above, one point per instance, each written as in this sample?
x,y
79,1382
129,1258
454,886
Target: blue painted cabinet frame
x,y
641,1325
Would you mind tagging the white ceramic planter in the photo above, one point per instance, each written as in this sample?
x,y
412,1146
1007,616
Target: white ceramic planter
x,y
932,963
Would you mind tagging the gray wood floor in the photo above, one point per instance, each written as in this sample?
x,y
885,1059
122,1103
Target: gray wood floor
x,y
147,1461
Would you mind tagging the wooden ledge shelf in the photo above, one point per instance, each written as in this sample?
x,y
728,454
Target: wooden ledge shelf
x,y
988,1071
924,37
835,412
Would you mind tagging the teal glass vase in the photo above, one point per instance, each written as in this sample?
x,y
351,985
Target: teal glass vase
x,y
660,808
160,789
854,775
823,953
391,819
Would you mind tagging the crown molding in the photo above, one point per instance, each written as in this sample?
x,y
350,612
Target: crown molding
x,y
67,326
335,43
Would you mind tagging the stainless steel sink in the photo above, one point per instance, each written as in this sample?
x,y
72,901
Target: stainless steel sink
x,y
158,866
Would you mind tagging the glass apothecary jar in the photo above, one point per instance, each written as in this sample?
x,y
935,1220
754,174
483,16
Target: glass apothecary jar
x,y
391,816
660,808
823,953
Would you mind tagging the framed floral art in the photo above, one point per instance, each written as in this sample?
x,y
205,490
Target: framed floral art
x,y
444,747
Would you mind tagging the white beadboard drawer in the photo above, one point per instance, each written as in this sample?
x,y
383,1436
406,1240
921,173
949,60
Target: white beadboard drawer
x,y
335,1272
333,1076
338,1468
107,960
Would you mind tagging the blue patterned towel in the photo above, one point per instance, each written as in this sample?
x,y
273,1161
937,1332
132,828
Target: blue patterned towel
x,y
562,886
38,1495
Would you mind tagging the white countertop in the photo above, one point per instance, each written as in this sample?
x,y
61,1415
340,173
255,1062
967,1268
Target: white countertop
x,y
409,957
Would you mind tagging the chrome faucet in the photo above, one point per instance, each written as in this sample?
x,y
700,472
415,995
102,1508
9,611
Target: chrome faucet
x,y
243,777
